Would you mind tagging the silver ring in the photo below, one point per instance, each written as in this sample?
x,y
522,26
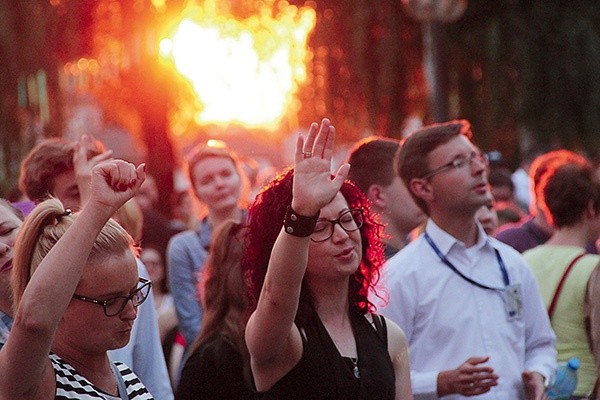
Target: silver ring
x,y
307,154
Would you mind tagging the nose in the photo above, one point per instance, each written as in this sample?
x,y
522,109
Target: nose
x,y
129,312
478,164
339,234
4,249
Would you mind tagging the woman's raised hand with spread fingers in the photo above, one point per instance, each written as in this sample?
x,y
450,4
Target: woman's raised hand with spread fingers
x,y
314,187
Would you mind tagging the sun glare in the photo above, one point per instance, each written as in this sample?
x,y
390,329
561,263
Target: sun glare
x,y
243,71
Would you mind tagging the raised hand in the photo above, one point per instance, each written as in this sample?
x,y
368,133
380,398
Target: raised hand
x,y
83,166
469,379
114,182
313,186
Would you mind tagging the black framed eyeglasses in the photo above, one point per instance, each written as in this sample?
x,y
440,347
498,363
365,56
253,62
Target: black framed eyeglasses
x,y
115,305
349,220
458,163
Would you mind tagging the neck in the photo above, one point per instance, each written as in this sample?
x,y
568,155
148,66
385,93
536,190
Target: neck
x,y
463,228
570,236
336,318
5,297
540,221
94,367
216,218
394,235
331,299
6,306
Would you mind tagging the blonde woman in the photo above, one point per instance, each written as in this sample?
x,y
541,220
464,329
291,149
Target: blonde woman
x,y
76,290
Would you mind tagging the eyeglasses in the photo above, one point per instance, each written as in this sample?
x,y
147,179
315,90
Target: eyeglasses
x,y
117,304
458,163
349,220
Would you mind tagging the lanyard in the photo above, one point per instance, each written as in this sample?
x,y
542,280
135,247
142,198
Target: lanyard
x,y
466,278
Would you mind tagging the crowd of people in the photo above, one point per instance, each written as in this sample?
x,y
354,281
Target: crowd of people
x,y
412,270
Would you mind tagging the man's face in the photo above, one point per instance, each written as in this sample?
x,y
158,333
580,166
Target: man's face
x,y
64,187
458,189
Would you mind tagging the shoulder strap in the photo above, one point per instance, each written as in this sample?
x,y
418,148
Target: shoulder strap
x,y
380,327
120,382
560,285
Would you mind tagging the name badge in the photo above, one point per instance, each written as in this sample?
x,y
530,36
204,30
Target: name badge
x,y
513,302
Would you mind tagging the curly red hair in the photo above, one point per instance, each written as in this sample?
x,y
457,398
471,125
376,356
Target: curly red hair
x,y
265,220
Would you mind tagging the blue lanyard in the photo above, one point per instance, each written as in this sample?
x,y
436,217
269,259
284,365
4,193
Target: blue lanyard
x,y
466,278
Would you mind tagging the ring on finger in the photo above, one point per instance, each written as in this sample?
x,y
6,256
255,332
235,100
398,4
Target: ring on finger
x,y
307,154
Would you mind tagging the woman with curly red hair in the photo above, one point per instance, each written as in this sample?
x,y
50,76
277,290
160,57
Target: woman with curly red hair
x,y
312,333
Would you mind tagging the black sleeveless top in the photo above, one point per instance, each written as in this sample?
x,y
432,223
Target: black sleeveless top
x,y
322,373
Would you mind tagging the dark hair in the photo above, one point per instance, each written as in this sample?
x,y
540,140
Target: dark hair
x,y
372,161
265,221
224,292
542,163
45,161
567,190
411,160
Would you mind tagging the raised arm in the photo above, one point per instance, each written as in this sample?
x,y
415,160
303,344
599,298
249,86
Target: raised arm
x,y
273,341
24,358
83,166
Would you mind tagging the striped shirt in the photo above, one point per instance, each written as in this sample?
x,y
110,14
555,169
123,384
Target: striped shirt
x,y
71,385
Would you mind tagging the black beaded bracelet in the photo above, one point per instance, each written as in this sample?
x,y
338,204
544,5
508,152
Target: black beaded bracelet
x,y
299,225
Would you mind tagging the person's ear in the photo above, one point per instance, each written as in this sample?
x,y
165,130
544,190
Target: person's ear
x,y
421,188
590,211
377,195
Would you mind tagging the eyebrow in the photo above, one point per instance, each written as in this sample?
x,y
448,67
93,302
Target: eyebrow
x,y
340,213
111,295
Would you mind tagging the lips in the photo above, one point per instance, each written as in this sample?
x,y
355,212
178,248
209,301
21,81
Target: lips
x,y
482,187
7,266
345,253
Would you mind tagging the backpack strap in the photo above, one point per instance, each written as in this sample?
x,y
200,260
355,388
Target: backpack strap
x,y
560,285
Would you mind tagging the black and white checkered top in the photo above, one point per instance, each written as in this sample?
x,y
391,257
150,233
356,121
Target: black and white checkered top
x,y
71,385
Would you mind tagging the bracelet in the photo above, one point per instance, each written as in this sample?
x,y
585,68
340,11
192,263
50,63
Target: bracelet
x,y
299,225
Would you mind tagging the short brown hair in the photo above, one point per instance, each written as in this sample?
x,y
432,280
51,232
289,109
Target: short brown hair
x,y
372,162
411,160
566,190
46,160
204,151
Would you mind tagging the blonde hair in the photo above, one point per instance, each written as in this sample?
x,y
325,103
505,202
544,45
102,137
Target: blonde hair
x,y
130,216
46,224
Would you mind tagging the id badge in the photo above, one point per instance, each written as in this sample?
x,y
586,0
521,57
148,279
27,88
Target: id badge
x,y
514,302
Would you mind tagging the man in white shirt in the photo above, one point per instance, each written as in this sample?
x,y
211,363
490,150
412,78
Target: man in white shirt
x,y
468,304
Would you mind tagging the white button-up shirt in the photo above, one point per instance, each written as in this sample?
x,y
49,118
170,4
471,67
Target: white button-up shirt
x,y
448,319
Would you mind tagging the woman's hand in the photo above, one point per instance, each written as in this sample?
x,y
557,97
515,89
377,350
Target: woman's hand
x,y
313,186
114,182
83,166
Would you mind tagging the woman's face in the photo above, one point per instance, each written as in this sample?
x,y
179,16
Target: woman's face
x,y
85,325
340,255
217,183
9,227
154,265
